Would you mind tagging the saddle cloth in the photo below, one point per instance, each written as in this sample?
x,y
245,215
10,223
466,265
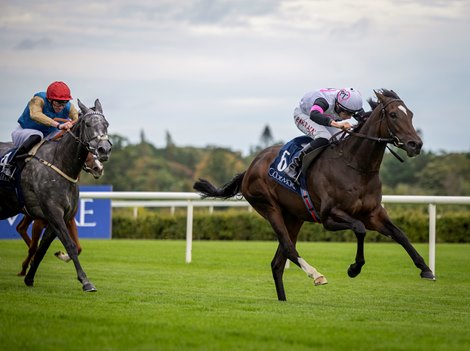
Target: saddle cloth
x,y
280,163
12,184
5,161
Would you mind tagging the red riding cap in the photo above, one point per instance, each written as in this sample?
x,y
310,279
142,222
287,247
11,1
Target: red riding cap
x,y
58,91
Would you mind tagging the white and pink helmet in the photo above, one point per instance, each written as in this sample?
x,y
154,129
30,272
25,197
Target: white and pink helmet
x,y
349,99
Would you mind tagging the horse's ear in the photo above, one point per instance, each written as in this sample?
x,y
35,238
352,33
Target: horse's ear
x,y
379,95
98,106
82,107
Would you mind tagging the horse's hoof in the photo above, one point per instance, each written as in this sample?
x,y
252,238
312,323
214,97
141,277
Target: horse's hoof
x,y
62,256
29,282
321,280
352,272
354,269
21,274
428,275
88,287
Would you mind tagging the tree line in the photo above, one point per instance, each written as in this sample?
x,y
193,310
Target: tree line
x,y
143,167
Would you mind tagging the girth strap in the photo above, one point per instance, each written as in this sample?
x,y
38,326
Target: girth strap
x,y
307,200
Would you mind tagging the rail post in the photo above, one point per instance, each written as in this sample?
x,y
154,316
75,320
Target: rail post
x,y
189,232
432,237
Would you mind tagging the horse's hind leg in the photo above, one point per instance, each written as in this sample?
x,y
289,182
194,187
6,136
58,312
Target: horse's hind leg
x,y
22,229
278,263
46,241
38,227
73,232
287,250
277,267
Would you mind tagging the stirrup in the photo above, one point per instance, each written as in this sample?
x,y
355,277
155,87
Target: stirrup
x,y
293,172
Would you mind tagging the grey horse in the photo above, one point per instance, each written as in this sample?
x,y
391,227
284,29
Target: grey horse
x,y
49,184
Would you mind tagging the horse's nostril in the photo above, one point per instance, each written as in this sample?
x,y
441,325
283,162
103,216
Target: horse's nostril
x,y
414,146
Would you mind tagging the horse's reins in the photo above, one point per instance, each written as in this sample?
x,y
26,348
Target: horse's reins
x,y
77,139
393,138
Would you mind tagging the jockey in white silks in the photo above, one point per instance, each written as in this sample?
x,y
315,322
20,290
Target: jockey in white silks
x,y
321,114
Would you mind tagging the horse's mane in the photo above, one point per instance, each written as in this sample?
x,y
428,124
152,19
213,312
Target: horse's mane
x,y
385,92
374,103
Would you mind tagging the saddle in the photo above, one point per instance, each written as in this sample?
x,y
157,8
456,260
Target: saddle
x,y
310,157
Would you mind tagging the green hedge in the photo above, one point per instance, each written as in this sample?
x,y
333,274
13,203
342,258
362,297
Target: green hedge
x,y
229,225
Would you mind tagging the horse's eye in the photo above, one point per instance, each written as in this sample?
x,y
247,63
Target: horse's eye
x,y
393,115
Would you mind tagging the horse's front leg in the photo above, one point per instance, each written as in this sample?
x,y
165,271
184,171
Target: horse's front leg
x,y
340,220
57,225
72,251
380,222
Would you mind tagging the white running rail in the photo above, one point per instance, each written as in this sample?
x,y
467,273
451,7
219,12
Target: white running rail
x,y
189,200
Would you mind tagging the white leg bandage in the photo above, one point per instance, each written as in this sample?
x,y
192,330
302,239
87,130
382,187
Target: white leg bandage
x,y
311,271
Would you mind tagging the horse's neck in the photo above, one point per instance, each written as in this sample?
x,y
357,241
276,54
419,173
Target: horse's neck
x,y
70,156
363,154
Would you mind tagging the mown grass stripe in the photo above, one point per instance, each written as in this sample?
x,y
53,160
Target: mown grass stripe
x,y
149,299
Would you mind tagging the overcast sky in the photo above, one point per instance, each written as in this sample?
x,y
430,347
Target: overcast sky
x,y
217,72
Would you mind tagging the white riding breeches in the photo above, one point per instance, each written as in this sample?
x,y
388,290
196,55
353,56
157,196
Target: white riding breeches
x,y
19,135
310,128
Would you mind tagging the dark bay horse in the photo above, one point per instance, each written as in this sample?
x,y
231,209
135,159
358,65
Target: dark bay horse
x,y
343,184
49,184
95,168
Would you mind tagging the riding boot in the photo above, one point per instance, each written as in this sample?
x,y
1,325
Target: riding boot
x,y
293,170
8,169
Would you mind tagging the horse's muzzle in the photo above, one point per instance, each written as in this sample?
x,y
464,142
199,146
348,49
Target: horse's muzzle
x,y
413,147
103,151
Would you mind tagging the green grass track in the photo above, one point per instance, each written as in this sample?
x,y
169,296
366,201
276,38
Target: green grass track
x,y
149,299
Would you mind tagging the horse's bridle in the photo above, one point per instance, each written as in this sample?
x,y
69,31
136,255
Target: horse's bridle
x,y
87,144
393,138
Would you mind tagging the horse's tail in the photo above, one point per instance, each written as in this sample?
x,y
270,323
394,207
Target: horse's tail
x,y
229,189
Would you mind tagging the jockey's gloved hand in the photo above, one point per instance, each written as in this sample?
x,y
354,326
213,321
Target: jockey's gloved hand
x,y
359,115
